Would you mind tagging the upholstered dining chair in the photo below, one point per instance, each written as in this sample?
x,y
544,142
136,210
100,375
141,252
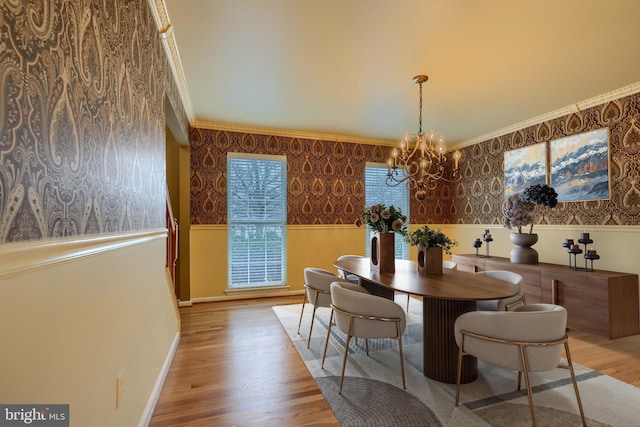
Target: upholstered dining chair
x,y
317,283
528,339
347,276
361,315
504,304
451,265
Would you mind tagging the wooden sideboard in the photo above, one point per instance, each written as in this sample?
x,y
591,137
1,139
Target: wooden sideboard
x,y
601,302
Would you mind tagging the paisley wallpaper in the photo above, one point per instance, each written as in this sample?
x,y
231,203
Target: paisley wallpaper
x,y
82,129
478,198
326,178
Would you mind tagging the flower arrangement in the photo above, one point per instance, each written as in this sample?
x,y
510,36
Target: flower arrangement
x,y
430,238
385,220
519,210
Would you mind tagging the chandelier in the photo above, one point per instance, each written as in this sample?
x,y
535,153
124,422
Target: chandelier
x,y
420,158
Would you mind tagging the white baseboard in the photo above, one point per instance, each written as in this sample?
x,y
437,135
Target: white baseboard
x,y
247,295
157,388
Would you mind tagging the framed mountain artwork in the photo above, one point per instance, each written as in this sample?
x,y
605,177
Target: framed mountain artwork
x,y
524,167
580,166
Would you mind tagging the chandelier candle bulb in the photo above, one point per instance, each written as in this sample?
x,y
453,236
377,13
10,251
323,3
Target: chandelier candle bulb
x,y
456,158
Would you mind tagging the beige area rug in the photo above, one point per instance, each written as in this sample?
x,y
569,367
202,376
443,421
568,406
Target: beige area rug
x,y
373,393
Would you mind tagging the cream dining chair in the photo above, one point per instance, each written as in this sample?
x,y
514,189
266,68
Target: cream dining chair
x,y
317,282
347,276
360,315
504,304
528,339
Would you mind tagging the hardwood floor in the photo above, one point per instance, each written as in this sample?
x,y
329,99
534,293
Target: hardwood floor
x,y
235,365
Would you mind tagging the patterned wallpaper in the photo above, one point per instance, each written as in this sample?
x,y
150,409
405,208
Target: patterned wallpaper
x,y
326,178
478,198
82,129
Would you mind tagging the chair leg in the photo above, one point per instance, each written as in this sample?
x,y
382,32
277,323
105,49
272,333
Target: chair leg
x,y
313,317
525,369
408,300
304,301
326,343
404,383
519,379
459,372
346,351
575,383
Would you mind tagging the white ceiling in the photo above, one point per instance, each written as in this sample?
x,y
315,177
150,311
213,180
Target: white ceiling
x,y
345,67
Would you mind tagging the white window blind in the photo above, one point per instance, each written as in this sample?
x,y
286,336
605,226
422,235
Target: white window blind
x,y
377,191
257,220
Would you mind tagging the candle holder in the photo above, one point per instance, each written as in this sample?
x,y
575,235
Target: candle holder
x,y
487,238
477,244
574,249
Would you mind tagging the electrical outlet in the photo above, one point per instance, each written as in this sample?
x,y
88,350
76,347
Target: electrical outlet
x,y
119,388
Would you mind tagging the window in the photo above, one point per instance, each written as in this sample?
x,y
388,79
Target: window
x,y
257,220
377,191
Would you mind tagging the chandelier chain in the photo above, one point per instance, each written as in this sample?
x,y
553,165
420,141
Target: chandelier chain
x,y
420,116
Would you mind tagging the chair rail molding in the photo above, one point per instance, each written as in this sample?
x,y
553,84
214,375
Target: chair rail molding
x,y
21,258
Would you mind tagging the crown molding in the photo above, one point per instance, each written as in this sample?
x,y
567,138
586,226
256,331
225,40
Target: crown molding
x,y
569,109
165,30
231,127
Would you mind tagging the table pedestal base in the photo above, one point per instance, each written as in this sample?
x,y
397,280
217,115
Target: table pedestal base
x,y
440,348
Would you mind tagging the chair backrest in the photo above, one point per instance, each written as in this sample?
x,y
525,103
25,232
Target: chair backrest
x,y
348,302
342,273
343,257
507,276
319,279
533,323
451,265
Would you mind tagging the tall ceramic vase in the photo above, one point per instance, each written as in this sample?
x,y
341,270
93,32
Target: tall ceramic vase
x,y
523,253
383,252
429,261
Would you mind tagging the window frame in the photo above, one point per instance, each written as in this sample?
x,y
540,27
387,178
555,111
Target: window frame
x,y
277,226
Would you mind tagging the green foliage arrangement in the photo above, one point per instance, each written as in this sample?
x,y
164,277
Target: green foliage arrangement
x,y
430,238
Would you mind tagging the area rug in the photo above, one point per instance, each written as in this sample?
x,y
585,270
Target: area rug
x,y
372,394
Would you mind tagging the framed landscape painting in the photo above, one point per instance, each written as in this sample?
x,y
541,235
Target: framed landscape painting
x,y
524,167
580,166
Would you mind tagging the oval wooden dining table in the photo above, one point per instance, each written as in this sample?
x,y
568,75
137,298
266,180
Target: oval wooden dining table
x,y
445,297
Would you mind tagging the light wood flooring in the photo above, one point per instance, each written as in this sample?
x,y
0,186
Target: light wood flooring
x,y
235,366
